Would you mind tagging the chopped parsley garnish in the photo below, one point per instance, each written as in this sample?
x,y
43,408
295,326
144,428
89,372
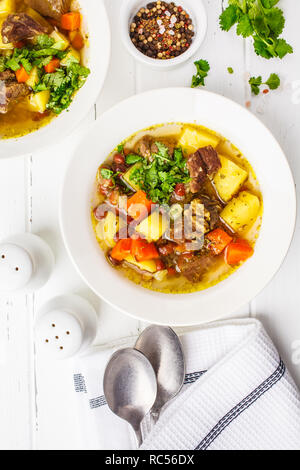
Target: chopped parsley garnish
x,y
62,83
106,173
261,20
159,175
230,70
203,68
133,158
273,83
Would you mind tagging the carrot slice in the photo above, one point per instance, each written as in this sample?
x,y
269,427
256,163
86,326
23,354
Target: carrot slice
x,y
71,21
52,66
78,41
143,251
238,251
138,205
22,75
218,240
121,249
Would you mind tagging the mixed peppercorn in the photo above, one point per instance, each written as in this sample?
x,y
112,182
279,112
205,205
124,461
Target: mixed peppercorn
x,y
162,30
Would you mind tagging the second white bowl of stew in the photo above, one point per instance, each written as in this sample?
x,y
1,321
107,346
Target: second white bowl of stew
x,y
53,62
172,217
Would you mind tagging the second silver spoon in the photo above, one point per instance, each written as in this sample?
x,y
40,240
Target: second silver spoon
x,y
130,387
162,347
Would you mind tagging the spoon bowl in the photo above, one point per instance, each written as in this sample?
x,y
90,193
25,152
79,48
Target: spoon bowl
x,y
162,347
130,387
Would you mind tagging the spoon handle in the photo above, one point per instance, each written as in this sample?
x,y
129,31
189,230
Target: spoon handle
x,y
138,435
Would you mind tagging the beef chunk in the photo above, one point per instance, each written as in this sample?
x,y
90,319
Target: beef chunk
x,y
20,26
10,90
146,146
7,75
194,266
211,159
143,147
196,167
214,208
200,164
52,8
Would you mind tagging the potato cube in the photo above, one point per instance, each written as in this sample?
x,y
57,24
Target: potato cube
x,y
107,228
192,139
72,56
153,227
38,101
126,176
33,78
241,211
7,6
149,266
229,178
61,42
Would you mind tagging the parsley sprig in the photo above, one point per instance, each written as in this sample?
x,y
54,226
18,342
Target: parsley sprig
x,y
260,19
159,175
273,83
203,68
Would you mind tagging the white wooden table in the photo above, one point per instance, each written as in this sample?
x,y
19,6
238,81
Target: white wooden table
x,y
36,401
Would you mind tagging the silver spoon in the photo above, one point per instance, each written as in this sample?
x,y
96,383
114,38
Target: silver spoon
x,y
162,347
130,387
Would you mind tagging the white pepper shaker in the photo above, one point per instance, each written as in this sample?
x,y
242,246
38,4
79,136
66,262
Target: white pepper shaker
x,y
66,326
26,263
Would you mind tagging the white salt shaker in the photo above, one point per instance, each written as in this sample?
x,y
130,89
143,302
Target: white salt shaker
x,y
26,263
66,326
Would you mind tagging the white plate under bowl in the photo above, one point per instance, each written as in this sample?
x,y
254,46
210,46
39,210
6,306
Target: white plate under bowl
x,y
259,147
98,55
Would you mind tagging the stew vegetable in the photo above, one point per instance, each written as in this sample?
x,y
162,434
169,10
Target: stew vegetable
x,y
176,208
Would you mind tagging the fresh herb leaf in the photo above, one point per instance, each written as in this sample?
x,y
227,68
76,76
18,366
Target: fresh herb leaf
x,y
131,159
159,175
26,64
13,64
255,83
275,21
106,173
230,70
260,19
273,81
229,17
203,68
244,27
120,148
44,41
283,48
163,151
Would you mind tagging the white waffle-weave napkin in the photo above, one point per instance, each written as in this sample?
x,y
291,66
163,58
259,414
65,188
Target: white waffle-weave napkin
x,y
237,395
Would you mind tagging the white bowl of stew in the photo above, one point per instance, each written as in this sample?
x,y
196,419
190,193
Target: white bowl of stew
x,y
252,174
80,34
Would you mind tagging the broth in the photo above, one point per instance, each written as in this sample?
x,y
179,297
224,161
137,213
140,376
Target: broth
x,y
234,165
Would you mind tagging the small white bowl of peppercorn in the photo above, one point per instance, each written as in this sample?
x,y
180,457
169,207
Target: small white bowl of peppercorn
x,y
163,34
